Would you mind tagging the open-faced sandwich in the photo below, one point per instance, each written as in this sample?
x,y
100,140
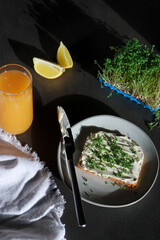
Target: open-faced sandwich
x,y
113,157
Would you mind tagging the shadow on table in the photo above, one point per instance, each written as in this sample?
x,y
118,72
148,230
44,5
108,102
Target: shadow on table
x,y
146,20
25,52
45,130
86,38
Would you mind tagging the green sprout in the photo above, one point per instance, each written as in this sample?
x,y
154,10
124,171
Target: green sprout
x,y
135,70
156,121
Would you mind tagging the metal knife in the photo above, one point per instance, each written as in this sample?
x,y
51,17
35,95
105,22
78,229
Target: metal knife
x,y
70,149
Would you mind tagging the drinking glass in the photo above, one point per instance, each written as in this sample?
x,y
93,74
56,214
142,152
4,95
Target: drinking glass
x,y
16,99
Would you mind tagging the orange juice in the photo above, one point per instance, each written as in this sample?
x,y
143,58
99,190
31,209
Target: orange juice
x,y
16,101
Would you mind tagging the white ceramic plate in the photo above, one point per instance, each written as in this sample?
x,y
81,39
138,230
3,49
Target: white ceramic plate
x,y
94,189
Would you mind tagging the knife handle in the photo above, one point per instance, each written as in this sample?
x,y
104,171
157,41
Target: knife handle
x,y
76,196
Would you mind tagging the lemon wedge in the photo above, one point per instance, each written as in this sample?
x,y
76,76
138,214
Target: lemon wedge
x,y
47,69
63,56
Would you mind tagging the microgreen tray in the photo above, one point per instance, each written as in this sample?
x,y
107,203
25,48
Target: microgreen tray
x,y
128,96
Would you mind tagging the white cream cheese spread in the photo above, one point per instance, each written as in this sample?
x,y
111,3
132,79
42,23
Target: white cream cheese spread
x,y
110,156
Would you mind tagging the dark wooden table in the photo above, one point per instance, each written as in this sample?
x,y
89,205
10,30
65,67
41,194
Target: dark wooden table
x,y
34,29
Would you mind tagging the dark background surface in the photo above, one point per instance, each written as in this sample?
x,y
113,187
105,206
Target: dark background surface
x,y
34,29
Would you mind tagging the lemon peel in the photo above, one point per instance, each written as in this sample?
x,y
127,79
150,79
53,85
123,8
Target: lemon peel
x,y
47,69
63,56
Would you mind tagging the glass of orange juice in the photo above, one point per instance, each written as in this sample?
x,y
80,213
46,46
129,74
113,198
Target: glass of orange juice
x,y
16,99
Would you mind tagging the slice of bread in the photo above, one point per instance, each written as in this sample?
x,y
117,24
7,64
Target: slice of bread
x,y
114,157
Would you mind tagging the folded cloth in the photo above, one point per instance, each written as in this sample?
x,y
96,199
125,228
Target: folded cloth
x,y
30,203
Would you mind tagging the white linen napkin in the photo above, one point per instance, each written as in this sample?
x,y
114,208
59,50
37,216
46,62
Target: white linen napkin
x,y
30,203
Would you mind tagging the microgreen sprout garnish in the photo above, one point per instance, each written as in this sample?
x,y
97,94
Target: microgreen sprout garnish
x,y
85,179
91,191
156,120
114,184
132,149
118,174
134,69
110,94
107,153
106,182
88,195
85,184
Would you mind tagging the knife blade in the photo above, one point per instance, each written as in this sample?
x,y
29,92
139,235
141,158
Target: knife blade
x,y
70,149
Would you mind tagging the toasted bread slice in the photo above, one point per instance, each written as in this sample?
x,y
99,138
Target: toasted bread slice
x,y
114,157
